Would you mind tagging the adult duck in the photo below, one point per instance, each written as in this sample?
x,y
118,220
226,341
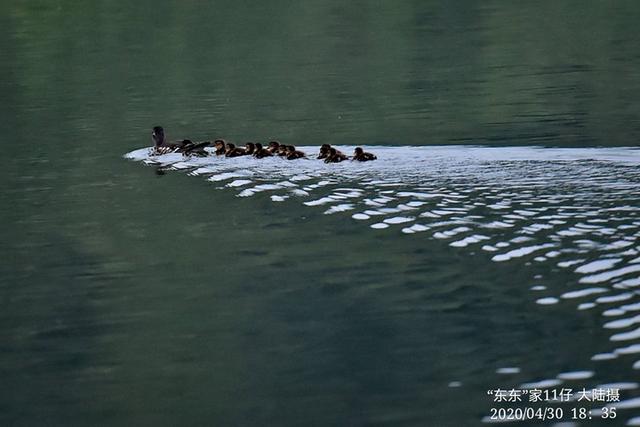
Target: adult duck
x,y
161,145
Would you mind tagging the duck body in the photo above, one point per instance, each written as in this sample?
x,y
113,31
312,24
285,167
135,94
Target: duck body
x,y
274,147
360,155
160,143
282,151
324,151
221,147
335,156
293,154
249,149
261,152
233,151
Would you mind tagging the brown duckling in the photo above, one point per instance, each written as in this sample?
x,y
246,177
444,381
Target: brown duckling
x,y
335,156
293,154
324,151
233,151
249,148
261,152
220,146
274,147
282,151
362,156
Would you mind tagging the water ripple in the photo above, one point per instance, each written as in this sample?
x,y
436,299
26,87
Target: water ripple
x,y
576,210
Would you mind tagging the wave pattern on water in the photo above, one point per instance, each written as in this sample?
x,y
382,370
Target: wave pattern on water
x,y
573,209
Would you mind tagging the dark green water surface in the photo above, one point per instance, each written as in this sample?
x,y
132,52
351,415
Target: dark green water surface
x,y
129,298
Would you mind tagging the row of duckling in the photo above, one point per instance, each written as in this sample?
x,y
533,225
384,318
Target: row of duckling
x,y
328,153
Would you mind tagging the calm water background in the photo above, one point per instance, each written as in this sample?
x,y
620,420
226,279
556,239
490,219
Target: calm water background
x,y
134,299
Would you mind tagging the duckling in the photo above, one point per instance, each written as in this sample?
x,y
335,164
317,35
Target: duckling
x,y
233,151
335,156
221,147
161,145
361,156
282,151
293,154
261,152
249,148
274,146
324,151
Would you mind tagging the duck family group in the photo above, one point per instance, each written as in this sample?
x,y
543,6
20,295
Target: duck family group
x,y
227,149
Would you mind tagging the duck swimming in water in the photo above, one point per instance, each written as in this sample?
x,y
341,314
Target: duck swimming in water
x,y
161,145
274,147
324,151
282,151
249,148
361,156
261,152
233,151
293,154
220,146
335,156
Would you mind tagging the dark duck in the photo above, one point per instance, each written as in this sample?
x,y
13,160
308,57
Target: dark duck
x,y
292,153
335,156
249,148
362,156
221,147
282,151
233,151
161,145
261,152
324,151
274,147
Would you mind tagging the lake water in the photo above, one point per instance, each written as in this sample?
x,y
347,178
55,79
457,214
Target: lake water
x,y
493,244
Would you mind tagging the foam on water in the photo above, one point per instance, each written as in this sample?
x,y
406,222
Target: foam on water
x,y
574,211
601,264
508,371
576,375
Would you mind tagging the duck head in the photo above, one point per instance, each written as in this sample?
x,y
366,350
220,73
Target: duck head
x,y
157,135
358,151
273,145
249,147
